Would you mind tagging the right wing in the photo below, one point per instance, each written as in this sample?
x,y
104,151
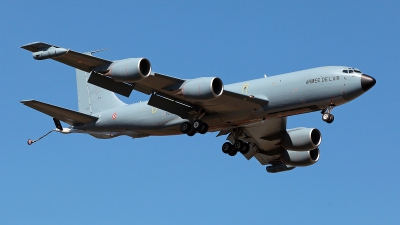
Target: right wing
x,y
85,62
164,89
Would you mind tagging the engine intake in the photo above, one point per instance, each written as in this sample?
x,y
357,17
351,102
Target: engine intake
x,y
302,139
202,89
129,70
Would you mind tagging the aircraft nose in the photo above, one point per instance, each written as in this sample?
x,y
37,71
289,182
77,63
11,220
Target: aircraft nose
x,y
367,82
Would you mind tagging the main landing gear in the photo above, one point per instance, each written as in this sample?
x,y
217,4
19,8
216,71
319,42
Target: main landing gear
x,y
326,114
238,146
192,129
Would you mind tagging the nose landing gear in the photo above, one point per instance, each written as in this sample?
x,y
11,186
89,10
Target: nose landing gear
x,y
328,117
326,114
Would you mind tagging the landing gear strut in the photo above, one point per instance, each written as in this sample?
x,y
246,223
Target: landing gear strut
x,y
326,114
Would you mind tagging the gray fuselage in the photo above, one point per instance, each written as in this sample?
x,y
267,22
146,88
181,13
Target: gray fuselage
x,y
287,94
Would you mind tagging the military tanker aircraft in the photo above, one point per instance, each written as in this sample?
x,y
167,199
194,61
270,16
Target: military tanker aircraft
x,y
251,113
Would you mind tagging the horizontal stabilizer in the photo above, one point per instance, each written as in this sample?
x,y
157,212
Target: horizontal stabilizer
x,y
68,116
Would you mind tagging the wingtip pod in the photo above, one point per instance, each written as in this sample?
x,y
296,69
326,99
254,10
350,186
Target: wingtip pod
x,y
52,52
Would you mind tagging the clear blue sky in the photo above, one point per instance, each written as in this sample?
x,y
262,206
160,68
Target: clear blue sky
x,y
77,179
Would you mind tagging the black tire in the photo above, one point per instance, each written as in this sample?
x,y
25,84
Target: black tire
x,y
185,127
227,147
233,152
331,119
204,128
246,149
239,145
197,124
191,133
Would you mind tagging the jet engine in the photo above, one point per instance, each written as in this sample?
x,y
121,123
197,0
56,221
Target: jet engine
x,y
202,89
295,158
302,139
129,70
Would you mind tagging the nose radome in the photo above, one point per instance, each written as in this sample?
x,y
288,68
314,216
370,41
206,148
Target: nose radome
x,y
367,82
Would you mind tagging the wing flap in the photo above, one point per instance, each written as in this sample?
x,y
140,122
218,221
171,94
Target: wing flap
x,y
121,88
170,105
68,116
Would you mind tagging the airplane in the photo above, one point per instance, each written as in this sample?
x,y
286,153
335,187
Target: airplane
x,y
253,113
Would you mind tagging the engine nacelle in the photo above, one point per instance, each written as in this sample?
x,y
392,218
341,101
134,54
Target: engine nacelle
x,y
202,89
295,158
52,52
129,70
302,139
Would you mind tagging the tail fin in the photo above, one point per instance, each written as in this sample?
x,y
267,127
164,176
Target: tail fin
x,y
93,99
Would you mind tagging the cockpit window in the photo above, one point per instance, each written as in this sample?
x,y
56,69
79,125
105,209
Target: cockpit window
x,y
351,70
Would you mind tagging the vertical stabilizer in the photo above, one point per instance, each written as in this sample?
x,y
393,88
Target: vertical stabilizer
x,y
93,99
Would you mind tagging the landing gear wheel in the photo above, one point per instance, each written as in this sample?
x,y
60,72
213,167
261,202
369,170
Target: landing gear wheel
x,y
239,145
233,152
331,119
197,124
326,116
246,149
203,128
185,127
191,133
227,147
